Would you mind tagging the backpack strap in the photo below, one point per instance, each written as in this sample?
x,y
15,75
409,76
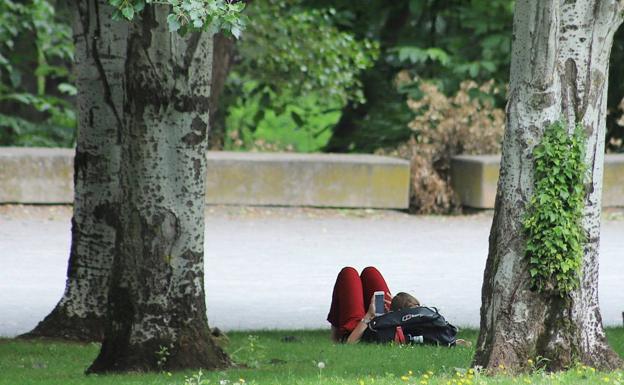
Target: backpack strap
x,y
399,337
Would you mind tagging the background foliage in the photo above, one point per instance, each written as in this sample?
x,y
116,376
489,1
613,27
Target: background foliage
x,y
442,42
35,82
306,75
294,73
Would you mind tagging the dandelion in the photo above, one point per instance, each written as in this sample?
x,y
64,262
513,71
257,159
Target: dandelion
x,y
527,381
501,366
361,382
606,379
410,372
430,372
405,378
530,361
423,382
241,380
321,366
426,376
471,371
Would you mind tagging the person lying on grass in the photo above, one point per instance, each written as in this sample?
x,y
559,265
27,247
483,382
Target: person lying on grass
x,y
353,294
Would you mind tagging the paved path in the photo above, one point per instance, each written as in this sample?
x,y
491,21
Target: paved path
x,y
276,268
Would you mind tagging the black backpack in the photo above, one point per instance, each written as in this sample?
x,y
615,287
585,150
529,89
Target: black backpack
x,y
415,325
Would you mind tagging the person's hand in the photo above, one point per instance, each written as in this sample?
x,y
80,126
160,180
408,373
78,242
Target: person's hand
x,y
370,314
387,301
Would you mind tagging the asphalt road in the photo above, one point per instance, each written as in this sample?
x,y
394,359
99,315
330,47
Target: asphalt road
x,y
275,268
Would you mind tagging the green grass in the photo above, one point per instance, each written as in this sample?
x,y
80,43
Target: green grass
x,y
272,360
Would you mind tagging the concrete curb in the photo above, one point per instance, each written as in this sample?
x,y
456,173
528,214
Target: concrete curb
x,y
475,178
45,175
36,175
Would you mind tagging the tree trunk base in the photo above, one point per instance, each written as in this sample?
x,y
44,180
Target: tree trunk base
x,y
59,325
193,351
604,358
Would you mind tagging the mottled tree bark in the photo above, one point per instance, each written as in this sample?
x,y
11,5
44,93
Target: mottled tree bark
x,y
99,63
559,70
156,299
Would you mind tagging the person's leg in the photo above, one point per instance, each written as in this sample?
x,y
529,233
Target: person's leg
x,y
347,307
373,281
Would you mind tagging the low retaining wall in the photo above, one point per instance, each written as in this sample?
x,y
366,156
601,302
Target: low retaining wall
x,y
475,178
337,180
43,175
36,175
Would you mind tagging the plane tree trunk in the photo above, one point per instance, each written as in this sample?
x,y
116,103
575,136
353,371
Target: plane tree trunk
x,y
559,70
156,299
99,62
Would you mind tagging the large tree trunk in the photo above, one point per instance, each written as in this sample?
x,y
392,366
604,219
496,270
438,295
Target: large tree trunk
x,y
156,300
559,70
100,59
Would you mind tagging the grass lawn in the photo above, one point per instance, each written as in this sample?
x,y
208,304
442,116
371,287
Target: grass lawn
x,y
288,357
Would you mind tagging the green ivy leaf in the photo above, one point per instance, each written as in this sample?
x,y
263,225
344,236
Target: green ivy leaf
x,y
128,12
172,22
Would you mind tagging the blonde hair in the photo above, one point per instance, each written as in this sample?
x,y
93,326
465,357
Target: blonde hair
x,y
403,301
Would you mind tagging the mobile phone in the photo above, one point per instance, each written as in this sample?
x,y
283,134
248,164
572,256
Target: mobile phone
x,y
379,303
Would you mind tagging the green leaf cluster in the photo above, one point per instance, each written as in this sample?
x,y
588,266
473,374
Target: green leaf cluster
x,y
552,225
294,72
264,120
455,41
190,15
35,84
289,47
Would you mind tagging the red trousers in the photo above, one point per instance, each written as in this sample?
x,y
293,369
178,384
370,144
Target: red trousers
x,y
352,296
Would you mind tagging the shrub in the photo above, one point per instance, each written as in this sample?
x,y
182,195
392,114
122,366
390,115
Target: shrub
x,y
443,126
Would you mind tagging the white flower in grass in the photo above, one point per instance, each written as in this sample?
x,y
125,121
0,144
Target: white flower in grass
x,y
321,365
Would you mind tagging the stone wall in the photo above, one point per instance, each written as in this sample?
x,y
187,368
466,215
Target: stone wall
x,y
43,176
36,175
475,178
